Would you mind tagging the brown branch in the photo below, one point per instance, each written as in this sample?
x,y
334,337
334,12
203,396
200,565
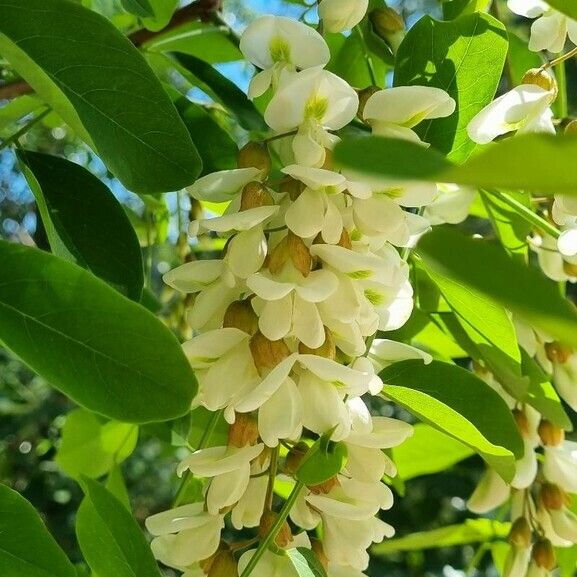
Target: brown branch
x,y
201,10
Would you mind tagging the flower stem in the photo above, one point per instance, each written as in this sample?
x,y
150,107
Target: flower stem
x,y
559,60
272,470
526,213
181,492
14,137
368,59
282,517
562,106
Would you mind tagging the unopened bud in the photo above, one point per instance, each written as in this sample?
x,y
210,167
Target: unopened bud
x,y
389,25
284,536
345,240
541,78
551,435
318,550
544,555
267,354
223,565
364,95
571,128
240,315
520,534
295,457
254,155
299,254
254,195
278,257
558,353
328,349
291,186
522,422
244,431
552,497
324,487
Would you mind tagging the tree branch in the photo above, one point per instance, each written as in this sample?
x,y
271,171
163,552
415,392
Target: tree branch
x,y
201,10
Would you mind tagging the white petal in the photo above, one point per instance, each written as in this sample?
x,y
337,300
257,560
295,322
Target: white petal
x,y
193,276
305,216
527,8
276,318
308,327
315,178
218,460
567,242
260,83
226,489
549,32
224,185
205,349
246,252
318,286
491,492
264,286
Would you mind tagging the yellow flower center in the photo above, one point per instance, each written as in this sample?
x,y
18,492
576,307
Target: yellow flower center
x,y
316,108
280,50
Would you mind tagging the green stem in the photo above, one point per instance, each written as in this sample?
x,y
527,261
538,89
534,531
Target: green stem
x,y
267,541
181,492
272,470
526,213
14,138
561,77
477,558
368,59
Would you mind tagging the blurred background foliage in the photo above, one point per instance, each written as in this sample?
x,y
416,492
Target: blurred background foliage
x,y
32,415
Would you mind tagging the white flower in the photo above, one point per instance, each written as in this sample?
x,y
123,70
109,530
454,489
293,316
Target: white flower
x,y
385,352
223,186
517,561
396,111
491,492
312,101
551,261
248,511
524,109
278,45
550,30
339,15
560,466
184,535
564,211
451,205
230,469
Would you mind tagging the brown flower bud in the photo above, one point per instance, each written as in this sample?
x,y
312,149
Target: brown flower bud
x,y
364,95
295,457
389,25
552,496
240,315
540,77
278,256
551,435
292,187
254,155
267,354
520,534
522,422
223,565
544,555
318,550
557,352
244,431
254,195
324,487
328,349
345,240
299,254
571,128
267,521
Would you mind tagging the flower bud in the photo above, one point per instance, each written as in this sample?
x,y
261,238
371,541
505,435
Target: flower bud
x,y
267,521
552,496
295,456
318,550
345,240
571,128
240,315
550,434
544,555
364,95
243,432
254,195
522,422
389,25
278,256
292,187
540,77
520,534
267,354
223,565
557,352
299,254
328,349
254,155
324,487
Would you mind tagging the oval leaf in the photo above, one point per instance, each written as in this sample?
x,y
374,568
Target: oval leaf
x,y
459,404
84,222
305,562
106,352
110,539
27,548
99,83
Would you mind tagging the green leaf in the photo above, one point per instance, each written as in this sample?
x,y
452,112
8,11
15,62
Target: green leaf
x,y
163,11
540,163
520,59
84,222
110,539
92,447
449,55
459,404
428,451
471,531
116,485
232,97
532,296
27,549
305,562
205,41
106,352
322,461
454,8
140,8
99,84
15,110
568,7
